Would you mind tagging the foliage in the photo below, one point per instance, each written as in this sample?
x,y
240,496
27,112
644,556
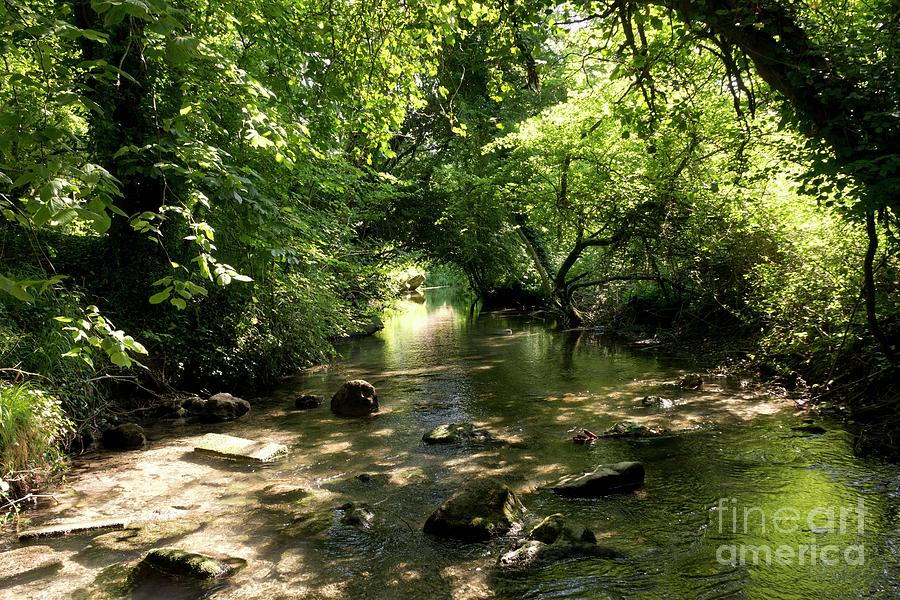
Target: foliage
x,y
234,183
32,427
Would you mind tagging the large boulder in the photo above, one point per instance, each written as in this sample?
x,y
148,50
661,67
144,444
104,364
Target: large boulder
x,y
223,407
457,433
174,561
482,509
128,436
355,398
554,539
615,478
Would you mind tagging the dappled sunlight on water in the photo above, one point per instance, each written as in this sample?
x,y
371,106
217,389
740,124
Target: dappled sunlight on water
x,y
440,362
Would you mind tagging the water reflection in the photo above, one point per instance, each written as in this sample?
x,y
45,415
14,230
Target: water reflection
x,y
442,361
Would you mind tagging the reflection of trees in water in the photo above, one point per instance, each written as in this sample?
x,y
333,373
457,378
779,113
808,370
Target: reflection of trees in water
x,y
570,341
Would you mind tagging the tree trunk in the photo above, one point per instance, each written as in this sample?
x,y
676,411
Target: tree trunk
x,y
869,287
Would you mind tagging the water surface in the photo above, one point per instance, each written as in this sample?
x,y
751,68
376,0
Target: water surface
x,y
714,486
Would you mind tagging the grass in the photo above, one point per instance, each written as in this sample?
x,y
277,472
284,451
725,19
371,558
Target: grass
x,y
32,429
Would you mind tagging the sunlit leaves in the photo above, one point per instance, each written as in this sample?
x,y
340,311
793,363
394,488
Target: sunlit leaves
x,y
93,334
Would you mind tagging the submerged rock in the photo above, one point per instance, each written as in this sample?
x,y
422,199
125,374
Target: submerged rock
x,y
224,407
626,429
144,535
554,539
355,398
310,523
128,436
307,401
174,561
605,479
691,381
482,509
810,429
373,479
20,562
456,433
282,493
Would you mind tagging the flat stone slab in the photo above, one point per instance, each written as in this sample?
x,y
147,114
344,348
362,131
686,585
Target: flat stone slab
x,y
70,528
235,448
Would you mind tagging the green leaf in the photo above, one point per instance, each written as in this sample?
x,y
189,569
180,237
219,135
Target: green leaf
x,y
120,359
161,297
181,49
15,289
178,303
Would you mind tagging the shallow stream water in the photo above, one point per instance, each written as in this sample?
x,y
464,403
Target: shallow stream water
x,y
736,503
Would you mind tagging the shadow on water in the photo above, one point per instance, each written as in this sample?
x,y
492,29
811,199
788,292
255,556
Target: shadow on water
x,y
715,483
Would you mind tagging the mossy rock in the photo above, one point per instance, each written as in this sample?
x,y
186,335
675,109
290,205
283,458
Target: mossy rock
x,y
457,433
483,509
630,429
174,561
309,524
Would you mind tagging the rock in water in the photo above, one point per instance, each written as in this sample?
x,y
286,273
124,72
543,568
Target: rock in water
x,y
456,433
224,407
173,561
128,436
482,509
605,479
657,402
413,283
552,540
630,429
357,515
691,381
307,401
355,398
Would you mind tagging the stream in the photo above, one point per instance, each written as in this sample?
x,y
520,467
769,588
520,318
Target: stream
x,y
730,483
